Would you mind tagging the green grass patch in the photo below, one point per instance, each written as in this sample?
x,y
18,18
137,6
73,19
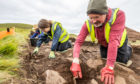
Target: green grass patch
x,y
24,32
10,47
9,55
17,25
8,64
4,76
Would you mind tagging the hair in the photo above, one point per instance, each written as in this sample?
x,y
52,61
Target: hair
x,y
43,23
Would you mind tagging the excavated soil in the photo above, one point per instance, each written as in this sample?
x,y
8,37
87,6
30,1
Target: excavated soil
x,y
39,69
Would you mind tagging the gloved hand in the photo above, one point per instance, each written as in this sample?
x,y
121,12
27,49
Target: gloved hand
x,y
107,75
76,69
36,50
52,55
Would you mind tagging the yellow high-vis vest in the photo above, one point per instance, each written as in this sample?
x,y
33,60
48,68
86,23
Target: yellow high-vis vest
x,y
107,28
64,34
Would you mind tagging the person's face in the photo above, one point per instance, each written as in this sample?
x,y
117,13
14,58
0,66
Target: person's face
x,y
46,29
97,19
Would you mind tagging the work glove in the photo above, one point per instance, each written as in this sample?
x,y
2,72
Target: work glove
x,y
107,75
52,55
36,50
76,69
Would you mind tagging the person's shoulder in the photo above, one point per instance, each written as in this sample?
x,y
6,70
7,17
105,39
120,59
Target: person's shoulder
x,y
121,12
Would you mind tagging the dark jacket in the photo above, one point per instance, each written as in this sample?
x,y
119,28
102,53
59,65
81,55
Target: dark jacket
x,y
45,38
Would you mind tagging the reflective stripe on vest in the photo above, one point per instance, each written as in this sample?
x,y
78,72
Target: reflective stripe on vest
x,y
107,28
40,31
64,34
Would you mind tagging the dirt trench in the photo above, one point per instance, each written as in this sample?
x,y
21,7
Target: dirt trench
x,y
39,69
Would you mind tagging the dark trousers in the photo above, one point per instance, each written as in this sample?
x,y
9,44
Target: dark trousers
x,y
123,55
63,46
33,41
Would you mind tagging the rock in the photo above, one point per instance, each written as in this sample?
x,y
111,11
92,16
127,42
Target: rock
x,y
124,69
119,80
138,68
70,59
93,81
70,54
53,77
47,50
58,53
94,63
132,80
37,61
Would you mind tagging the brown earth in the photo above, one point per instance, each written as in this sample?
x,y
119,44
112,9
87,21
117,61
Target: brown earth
x,y
39,69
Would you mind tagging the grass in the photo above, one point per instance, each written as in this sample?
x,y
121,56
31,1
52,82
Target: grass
x,y
17,25
8,55
137,42
10,47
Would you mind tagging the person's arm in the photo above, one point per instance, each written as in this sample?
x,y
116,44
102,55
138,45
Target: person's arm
x,y
107,73
115,38
37,32
79,41
34,35
75,67
41,39
40,34
56,37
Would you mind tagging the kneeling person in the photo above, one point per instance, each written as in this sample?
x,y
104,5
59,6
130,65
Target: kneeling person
x,y
53,30
35,36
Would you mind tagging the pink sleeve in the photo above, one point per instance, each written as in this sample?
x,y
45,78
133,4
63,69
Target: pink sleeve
x,y
115,37
79,41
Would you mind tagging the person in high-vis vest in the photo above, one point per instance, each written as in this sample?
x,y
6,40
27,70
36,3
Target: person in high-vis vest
x,y
37,31
36,35
54,31
107,27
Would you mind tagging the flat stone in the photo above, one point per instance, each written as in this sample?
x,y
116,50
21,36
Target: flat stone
x,y
53,77
124,69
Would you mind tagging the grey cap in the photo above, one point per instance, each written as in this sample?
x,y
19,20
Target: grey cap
x,y
97,7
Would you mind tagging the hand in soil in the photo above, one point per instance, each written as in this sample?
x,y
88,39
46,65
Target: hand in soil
x,y
76,70
107,75
52,55
35,50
